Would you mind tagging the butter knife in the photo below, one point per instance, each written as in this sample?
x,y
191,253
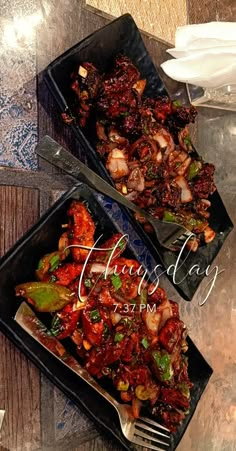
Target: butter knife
x,y
169,234
27,319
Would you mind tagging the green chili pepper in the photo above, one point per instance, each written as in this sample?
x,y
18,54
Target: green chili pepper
x,y
194,169
145,343
168,216
95,316
118,337
163,364
116,281
45,297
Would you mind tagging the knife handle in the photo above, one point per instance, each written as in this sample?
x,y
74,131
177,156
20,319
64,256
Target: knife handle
x,y
51,151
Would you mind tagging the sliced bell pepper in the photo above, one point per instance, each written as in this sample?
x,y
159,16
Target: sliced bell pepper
x,y
194,169
169,216
163,365
45,297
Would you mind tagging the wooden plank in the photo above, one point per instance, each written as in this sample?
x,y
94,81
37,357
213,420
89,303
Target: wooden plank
x,y
20,397
39,180
19,209
19,379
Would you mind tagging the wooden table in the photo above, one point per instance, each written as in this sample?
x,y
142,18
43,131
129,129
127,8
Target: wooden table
x,y
32,404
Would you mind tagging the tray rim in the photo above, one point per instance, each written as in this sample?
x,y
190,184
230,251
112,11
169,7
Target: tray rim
x,y
15,333
92,154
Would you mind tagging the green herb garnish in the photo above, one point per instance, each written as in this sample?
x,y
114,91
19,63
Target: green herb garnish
x,y
164,366
184,389
187,141
133,301
55,326
150,173
145,343
121,244
106,331
95,316
88,283
116,281
54,262
178,164
118,337
177,103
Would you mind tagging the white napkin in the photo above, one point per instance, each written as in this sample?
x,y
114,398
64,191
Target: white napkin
x,y
206,55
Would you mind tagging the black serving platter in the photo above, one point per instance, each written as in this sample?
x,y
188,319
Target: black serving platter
x,y
100,48
18,266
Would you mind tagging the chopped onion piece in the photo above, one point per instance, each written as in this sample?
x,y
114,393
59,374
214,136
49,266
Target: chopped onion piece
x,y
186,195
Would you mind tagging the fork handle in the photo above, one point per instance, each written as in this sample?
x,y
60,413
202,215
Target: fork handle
x,y
51,151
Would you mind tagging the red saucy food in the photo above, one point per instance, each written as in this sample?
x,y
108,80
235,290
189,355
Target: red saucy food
x,y
145,145
123,328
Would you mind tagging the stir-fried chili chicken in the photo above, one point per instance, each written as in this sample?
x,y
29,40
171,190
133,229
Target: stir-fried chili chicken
x,y
146,146
123,328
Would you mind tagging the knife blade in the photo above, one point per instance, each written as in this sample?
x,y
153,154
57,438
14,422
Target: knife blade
x,y
27,319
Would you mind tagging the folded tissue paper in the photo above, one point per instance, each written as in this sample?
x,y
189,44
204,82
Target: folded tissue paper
x,y
205,59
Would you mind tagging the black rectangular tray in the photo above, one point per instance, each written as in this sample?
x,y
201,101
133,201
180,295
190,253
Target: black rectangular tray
x,y
100,48
18,266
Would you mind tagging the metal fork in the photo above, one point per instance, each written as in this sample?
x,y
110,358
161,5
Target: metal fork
x,y
170,235
144,431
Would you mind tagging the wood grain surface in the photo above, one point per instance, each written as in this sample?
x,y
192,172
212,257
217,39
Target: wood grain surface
x,y
25,394
19,379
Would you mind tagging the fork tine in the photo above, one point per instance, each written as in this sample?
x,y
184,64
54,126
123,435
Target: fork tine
x,y
148,428
145,444
154,423
153,439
